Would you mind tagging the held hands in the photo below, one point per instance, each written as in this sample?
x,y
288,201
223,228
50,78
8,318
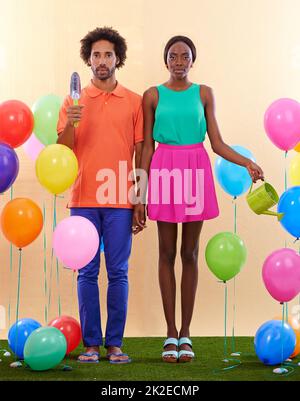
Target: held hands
x,y
74,114
255,171
139,218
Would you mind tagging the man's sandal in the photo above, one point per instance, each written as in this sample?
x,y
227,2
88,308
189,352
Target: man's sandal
x,y
89,357
170,356
184,355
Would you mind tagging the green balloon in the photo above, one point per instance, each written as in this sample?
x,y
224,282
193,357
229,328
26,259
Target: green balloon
x,y
225,255
45,348
45,112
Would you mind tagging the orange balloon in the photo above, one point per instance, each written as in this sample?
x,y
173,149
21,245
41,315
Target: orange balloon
x,y
297,148
21,221
295,324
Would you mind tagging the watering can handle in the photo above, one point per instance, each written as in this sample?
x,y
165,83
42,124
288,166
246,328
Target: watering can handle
x,y
250,188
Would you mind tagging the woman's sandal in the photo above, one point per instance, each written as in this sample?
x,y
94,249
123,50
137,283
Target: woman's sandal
x,y
170,356
184,355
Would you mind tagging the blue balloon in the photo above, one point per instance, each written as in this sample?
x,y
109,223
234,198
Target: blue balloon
x,y
269,347
9,166
289,204
234,179
18,334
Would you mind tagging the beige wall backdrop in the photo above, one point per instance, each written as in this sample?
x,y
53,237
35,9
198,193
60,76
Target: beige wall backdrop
x,y
248,52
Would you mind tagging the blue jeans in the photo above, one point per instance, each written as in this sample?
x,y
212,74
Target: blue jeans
x,y
114,225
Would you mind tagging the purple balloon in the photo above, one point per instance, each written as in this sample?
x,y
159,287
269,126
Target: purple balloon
x,y
9,166
75,242
282,123
281,274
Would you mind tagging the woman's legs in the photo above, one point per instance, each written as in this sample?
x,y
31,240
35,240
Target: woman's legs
x,y
167,236
189,256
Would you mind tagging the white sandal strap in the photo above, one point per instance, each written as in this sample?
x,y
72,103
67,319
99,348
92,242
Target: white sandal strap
x,y
184,352
185,340
170,341
170,353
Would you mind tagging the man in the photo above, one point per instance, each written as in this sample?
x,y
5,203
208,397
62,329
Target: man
x,y
109,129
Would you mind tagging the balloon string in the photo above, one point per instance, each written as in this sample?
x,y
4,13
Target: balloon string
x,y
282,333
225,319
10,269
18,299
45,264
226,360
233,324
285,171
285,184
58,288
50,281
72,294
299,297
235,214
57,269
52,254
10,280
234,299
286,311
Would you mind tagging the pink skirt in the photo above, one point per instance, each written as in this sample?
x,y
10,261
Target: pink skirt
x,y
181,185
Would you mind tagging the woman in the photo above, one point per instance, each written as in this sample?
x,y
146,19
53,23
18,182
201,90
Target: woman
x,y
177,115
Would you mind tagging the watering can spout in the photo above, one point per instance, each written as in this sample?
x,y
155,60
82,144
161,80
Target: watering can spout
x,y
270,213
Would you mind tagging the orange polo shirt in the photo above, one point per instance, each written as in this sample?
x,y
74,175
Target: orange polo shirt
x,y
111,124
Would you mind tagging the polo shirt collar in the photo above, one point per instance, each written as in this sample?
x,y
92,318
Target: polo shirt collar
x,y
93,91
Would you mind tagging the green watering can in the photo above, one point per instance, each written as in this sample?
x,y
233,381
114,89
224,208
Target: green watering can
x,y
262,199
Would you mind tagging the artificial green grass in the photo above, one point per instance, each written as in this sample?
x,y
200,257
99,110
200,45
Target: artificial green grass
x,y
147,364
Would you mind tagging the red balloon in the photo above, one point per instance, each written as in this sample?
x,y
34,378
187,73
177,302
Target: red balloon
x,y
70,329
16,122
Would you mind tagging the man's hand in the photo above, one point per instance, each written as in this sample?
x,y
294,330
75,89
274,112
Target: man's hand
x,y
74,114
139,218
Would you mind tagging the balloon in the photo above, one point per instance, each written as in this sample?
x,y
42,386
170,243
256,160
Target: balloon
x,y
16,122
282,123
45,348
295,324
70,329
294,170
268,343
225,255
33,147
234,179
56,168
75,242
9,166
18,334
46,111
281,274
21,221
289,204
297,147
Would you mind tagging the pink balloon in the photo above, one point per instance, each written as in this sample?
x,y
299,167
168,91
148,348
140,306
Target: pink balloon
x,y
75,242
32,147
281,274
282,123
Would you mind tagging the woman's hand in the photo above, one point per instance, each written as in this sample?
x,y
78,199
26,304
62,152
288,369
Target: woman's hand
x,y
139,218
255,171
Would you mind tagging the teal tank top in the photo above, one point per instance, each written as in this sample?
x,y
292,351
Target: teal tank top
x,y
179,116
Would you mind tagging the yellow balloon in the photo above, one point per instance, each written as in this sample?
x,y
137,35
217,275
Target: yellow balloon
x,y
56,168
294,170
297,148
